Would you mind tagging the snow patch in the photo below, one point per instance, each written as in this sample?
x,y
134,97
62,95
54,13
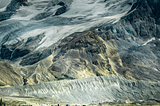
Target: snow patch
x,y
150,40
81,15
2,9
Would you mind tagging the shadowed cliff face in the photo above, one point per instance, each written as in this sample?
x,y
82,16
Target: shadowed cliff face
x,y
55,45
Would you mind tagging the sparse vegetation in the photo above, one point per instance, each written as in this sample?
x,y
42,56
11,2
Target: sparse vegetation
x,y
1,103
12,103
129,104
2,83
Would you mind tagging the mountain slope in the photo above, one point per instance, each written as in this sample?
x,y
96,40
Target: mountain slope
x,y
34,30
90,91
55,47
73,40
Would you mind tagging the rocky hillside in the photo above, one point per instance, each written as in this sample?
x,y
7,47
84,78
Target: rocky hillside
x,y
44,40
120,39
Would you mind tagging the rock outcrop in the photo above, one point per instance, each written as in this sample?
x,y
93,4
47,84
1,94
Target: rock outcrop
x,y
12,8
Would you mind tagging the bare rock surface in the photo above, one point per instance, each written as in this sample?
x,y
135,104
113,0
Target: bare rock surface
x,y
91,91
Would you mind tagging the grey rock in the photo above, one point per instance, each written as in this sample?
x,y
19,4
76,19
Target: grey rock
x,y
91,91
61,10
5,15
15,4
20,48
11,9
61,3
42,16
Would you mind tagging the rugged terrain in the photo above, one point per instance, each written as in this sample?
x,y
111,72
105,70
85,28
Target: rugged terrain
x,y
44,41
